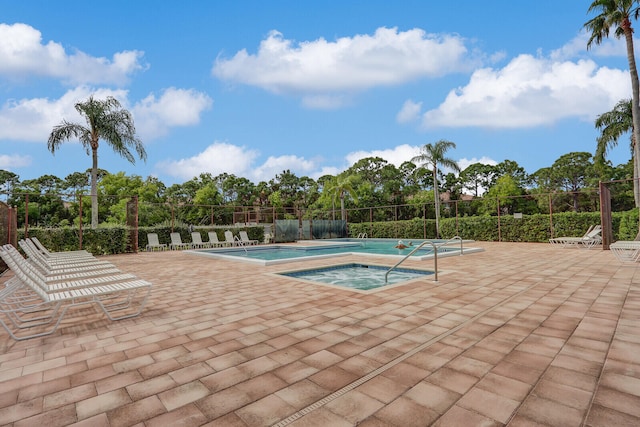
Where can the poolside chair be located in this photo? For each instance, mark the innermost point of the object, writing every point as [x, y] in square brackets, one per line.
[244, 237]
[626, 250]
[591, 238]
[176, 242]
[52, 283]
[57, 266]
[66, 272]
[213, 239]
[154, 243]
[230, 240]
[31, 304]
[46, 252]
[196, 241]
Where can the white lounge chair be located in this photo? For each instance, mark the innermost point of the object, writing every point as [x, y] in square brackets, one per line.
[61, 266]
[230, 239]
[215, 242]
[32, 304]
[591, 238]
[244, 237]
[47, 253]
[626, 250]
[176, 242]
[154, 243]
[79, 271]
[56, 283]
[196, 241]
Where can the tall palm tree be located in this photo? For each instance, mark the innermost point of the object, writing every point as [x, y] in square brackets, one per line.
[617, 14]
[433, 155]
[339, 188]
[106, 120]
[612, 125]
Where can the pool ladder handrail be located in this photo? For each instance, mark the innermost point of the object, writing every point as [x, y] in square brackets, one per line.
[239, 242]
[362, 236]
[435, 255]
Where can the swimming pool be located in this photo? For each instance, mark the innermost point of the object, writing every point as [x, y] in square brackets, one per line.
[362, 277]
[314, 249]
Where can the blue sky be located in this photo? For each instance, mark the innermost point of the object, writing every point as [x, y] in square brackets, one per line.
[253, 88]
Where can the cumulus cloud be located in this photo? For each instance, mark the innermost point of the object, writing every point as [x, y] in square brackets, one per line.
[175, 107]
[23, 54]
[577, 47]
[276, 164]
[531, 91]
[219, 157]
[14, 161]
[321, 70]
[409, 112]
[222, 157]
[465, 163]
[33, 119]
[396, 155]
[242, 161]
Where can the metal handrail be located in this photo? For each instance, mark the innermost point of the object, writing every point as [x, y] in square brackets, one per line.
[435, 255]
[241, 243]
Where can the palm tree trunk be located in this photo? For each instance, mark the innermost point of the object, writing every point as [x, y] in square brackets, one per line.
[94, 189]
[342, 210]
[635, 107]
[437, 200]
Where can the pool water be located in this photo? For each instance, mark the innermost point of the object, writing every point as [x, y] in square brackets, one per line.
[358, 276]
[273, 254]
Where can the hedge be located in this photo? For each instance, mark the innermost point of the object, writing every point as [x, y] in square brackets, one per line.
[116, 239]
[529, 228]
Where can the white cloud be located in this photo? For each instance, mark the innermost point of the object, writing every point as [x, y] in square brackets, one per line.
[465, 163]
[276, 164]
[409, 112]
[396, 155]
[529, 92]
[33, 119]
[220, 157]
[11, 162]
[175, 107]
[23, 54]
[349, 64]
[577, 47]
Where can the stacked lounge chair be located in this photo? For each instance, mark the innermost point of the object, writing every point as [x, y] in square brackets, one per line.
[626, 250]
[34, 301]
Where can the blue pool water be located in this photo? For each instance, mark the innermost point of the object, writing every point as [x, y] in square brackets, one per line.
[274, 254]
[358, 276]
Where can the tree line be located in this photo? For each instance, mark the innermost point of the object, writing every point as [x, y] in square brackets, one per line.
[370, 182]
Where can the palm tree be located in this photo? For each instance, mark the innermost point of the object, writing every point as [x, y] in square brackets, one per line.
[617, 14]
[434, 155]
[106, 120]
[339, 188]
[612, 125]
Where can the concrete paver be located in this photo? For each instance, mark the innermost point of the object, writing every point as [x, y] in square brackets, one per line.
[516, 335]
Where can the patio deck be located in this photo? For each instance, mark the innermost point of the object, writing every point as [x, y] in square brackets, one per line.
[521, 334]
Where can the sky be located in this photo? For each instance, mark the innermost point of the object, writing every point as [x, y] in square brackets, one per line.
[254, 88]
